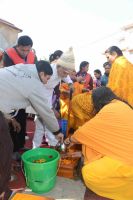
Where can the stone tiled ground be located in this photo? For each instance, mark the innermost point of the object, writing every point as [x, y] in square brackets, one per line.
[66, 189]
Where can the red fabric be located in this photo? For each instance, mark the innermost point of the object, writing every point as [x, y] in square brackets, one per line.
[87, 80]
[12, 53]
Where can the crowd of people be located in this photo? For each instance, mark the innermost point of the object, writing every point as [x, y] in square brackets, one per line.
[98, 109]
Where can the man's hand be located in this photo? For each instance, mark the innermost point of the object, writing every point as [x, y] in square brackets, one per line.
[15, 125]
[68, 142]
[60, 137]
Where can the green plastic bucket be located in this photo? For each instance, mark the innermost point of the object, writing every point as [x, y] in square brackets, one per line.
[41, 177]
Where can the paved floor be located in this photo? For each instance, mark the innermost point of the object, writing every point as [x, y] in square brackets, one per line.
[67, 189]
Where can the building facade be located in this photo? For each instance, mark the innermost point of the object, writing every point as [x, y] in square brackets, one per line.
[8, 34]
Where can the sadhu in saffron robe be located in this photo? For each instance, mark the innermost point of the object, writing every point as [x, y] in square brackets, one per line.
[107, 141]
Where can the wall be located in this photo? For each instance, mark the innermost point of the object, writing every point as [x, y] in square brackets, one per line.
[8, 36]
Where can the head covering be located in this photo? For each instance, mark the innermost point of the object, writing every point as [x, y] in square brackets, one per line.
[67, 59]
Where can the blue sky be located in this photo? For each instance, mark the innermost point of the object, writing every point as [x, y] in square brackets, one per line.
[58, 24]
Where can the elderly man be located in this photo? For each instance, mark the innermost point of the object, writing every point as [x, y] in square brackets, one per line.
[61, 69]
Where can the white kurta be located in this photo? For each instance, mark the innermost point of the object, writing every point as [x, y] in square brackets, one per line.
[48, 91]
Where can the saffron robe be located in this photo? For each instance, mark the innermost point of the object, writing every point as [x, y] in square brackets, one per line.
[107, 142]
[121, 79]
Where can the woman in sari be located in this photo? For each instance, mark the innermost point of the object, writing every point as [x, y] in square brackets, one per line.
[121, 74]
[107, 146]
[86, 80]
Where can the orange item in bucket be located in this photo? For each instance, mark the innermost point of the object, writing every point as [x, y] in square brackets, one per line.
[20, 196]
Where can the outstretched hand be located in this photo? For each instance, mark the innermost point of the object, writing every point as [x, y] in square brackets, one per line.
[60, 137]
